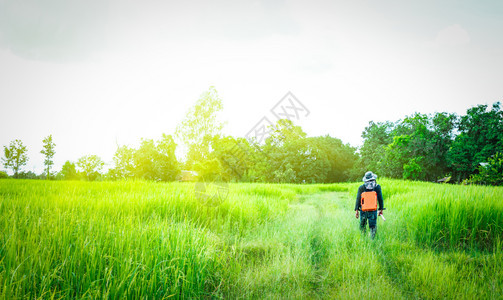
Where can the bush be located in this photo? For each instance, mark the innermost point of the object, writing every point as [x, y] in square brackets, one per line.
[27, 175]
[490, 173]
[3, 175]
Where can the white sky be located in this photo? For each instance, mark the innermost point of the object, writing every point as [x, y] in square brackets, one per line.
[95, 74]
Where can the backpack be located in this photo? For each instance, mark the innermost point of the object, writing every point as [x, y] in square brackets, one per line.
[369, 201]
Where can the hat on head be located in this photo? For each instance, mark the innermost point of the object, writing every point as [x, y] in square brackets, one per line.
[369, 176]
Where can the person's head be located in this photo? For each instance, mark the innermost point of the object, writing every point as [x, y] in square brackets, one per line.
[370, 180]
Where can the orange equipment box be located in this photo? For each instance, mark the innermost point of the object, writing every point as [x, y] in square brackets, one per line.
[369, 201]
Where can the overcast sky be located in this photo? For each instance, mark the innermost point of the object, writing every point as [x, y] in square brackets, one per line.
[96, 74]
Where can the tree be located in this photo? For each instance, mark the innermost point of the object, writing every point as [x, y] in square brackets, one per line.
[425, 147]
[167, 166]
[209, 170]
[285, 175]
[414, 148]
[341, 157]
[309, 161]
[200, 126]
[68, 171]
[288, 155]
[283, 156]
[443, 129]
[397, 155]
[413, 169]
[151, 161]
[235, 156]
[29, 175]
[490, 172]
[124, 163]
[90, 166]
[284, 131]
[49, 152]
[15, 156]
[479, 138]
[144, 160]
[377, 137]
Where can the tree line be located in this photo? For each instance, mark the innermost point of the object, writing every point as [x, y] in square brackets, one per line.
[424, 147]
[419, 147]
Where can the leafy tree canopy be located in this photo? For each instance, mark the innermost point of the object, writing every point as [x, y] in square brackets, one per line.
[48, 151]
[90, 166]
[15, 156]
[200, 126]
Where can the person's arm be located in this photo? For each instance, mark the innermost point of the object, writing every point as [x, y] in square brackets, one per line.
[358, 198]
[379, 197]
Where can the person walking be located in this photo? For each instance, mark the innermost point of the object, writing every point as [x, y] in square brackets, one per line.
[369, 194]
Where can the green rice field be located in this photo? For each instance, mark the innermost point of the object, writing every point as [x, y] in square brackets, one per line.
[139, 239]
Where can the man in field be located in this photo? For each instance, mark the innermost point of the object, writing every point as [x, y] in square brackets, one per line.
[369, 194]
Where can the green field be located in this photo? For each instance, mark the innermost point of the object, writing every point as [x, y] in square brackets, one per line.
[142, 239]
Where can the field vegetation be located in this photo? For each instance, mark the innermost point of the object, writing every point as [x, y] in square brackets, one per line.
[76, 239]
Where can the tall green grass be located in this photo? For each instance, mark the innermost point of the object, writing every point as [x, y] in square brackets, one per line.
[124, 238]
[448, 216]
[138, 239]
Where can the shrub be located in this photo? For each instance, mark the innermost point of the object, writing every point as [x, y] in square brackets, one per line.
[490, 173]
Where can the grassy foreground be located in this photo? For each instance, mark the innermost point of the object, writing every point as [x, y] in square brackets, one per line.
[157, 240]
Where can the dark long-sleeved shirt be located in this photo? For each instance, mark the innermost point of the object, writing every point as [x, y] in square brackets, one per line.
[362, 189]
